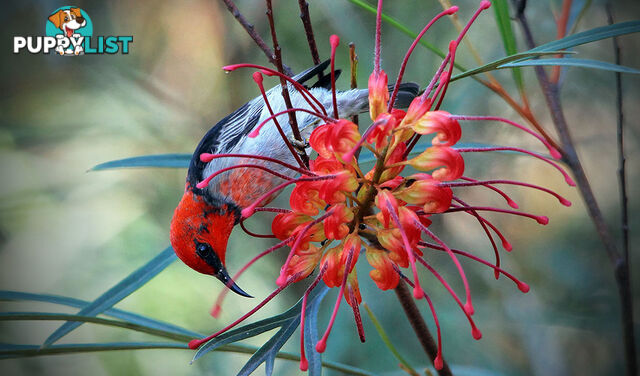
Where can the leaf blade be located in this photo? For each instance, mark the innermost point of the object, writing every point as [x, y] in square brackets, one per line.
[147, 161]
[501, 11]
[582, 63]
[118, 292]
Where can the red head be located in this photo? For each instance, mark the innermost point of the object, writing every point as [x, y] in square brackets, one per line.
[199, 235]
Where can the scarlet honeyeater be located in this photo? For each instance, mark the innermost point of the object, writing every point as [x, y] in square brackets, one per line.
[207, 213]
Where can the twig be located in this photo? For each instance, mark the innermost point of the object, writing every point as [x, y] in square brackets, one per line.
[618, 261]
[626, 295]
[253, 34]
[293, 123]
[353, 65]
[306, 22]
[419, 326]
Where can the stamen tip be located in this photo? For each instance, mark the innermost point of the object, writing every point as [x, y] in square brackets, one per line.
[507, 246]
[476, 333]
[555, 153]
[206, 157]
[304, 364]
[334, 40]
[452, 10]
[321, 346]
[438, 363]
[543, 220]
[418, 292]
[215, 311]
[523, 287]
[281, 280]
[468, 307]
[513, 204]
[257, 77]
[570, 181]
[485, 4]
[565, 202]
[453, 45]
[496, 274]
[202, 184]
[254, 134]
[195, 343]
[247, 212]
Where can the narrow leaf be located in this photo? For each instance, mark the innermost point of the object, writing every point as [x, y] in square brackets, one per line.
[131, 317]
[589, 36]
[501, 9]
[147, 161]
[497, 63]
[118, 292]
[267, 352]
[583, 63]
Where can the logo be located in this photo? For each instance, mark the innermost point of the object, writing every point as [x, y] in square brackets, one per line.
[69, 32]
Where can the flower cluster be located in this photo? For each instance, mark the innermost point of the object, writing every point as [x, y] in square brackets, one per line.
[340, 211]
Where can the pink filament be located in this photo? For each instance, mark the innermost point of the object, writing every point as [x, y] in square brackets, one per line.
[194, 344]
[524, 151]
[322, 343]
[449, 11]
[334, 40]
[376, 52]
[486, 183]
[510, 202]
[255, 235]
[203, 184]
[418, 292]
[256, 131]
[553, 151]
[541, 219]
[468, 306]
[521, 285]
[215, 311]
[270, 72]
[208, 157]
[452, 51]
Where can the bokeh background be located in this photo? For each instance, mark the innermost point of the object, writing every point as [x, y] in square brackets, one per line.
[67, 231]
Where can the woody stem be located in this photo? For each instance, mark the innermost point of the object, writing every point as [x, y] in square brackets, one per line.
[419, 326]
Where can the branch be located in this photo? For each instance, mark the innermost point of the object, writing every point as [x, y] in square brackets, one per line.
[253, 34]
[284, 85]
[306, 22]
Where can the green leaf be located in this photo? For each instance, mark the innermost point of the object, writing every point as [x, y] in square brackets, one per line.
[131, 317]
[387, 341]
[501, 9]
[259, 327]
[589, 36]
[583, 63]
[266, 353]
[118, 292]
[19, 351]
[148, 161]
[502, 61]
[45, 316]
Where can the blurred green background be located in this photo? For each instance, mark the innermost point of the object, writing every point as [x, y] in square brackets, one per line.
[67, 231]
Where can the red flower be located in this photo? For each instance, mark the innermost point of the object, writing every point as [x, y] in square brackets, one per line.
[446, 162]
[447, 130]
[378, 93]
[384, 273]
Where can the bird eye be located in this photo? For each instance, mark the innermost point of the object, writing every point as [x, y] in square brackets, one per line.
[66, 18]
[203, 249]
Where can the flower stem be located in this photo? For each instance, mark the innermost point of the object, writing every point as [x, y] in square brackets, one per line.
[419, 326]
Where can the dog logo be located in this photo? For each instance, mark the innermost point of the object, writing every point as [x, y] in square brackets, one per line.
[69, 32]
[69, 25]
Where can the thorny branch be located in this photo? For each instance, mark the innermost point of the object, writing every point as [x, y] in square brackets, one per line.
[619, 261]
[253, 34]
[284, 85]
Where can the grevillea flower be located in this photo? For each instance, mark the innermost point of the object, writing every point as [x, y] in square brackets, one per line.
[337, 212]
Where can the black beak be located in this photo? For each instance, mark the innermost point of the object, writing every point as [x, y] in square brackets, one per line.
[224, 277]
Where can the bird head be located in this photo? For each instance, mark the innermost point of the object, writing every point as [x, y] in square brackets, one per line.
[199, 235]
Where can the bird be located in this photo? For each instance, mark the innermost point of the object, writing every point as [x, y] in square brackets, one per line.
[205, 217]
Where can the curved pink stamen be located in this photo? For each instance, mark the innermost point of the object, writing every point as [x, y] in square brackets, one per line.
[507, 198]
[486, 183]
[403, 66]
[256, 131]
[553, 151]
[255, 235]
[203, 184]
[306, 94]
[418, 292]
[468, 306]
[321, 346]
[453, 45]
[208, 157]
[194, 344]
[217, 307]
[567, 178]
[376, 51]
[541, 219]
[521, 285]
